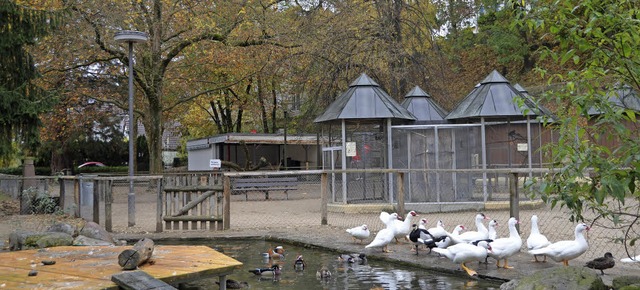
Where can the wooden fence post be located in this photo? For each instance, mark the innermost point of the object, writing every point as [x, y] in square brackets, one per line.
[226, 191]
[159, 207]
[401, 193]
[108, 200]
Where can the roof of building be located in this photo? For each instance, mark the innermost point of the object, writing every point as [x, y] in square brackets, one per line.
[364, 99]
[423, 107]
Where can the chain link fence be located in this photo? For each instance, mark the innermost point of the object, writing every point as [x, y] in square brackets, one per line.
[302, 205]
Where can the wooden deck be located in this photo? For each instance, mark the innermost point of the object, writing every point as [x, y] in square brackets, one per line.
[80, 267]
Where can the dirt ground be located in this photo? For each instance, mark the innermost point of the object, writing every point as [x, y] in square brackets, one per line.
[298, 220]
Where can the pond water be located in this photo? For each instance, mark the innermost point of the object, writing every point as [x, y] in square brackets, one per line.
[373, 274]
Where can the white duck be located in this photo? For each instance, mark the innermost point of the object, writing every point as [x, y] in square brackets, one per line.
[563, 251]
[447, 242]
[438, 231]
[480, 217]
[503, 248]
[464, 253]
[403, 228]
[493, 234]
[471, 236]
[359, 233]
[536, 240]
[386, 235]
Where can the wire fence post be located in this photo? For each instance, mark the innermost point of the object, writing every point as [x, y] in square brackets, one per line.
[324, 198]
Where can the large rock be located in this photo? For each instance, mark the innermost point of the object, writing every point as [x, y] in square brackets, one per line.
[72, 230]
[54, 239]
[86, 241]
[95, 231]
[559, 278]
[626, 282]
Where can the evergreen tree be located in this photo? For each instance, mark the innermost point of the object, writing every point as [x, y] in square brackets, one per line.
[20, 99]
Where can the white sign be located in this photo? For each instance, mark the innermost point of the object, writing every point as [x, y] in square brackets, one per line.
[215, 163]
[523, 147]
[351, 149]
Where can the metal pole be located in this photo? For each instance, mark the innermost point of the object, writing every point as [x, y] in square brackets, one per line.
[131, 199]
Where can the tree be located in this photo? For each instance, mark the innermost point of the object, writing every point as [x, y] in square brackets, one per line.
[21, 99]
[177, 35]
[597, 43]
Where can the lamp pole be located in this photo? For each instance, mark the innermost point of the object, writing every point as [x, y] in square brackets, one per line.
[131, 37]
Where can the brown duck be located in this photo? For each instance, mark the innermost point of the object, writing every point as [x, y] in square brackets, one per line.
[602, 263]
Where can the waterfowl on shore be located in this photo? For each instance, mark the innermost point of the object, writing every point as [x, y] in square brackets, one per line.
[438, 231]
[385, 236]
[447, 241]
[359, 233]
[536, 240]
[602, 263]
[503, 248]
[422, 237]
[563, 251]
[493, 233]
[403, 227]
[464, 253]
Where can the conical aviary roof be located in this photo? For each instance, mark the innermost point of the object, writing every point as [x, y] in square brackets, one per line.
[624, 97]
[364, 100]
[423, 107]
[493, 98]
[529, 97]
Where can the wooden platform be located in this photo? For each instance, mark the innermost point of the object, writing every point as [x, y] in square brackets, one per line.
[80, 267]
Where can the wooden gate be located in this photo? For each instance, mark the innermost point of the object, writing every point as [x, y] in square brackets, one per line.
[191, 208]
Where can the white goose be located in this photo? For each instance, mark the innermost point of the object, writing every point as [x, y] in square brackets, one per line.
[563, 251]
[480, 217]
[463, 253]
[447, 242]
[503, 248]
[403, 228]
[536, 240]
[359, 233]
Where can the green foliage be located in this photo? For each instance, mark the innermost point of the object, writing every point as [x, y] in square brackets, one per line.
[41, 202]
[20, 99]
[597, 45]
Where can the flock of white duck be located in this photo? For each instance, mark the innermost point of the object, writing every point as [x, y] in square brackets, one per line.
[463, 246]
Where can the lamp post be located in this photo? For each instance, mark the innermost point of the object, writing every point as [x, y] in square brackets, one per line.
[131, 37]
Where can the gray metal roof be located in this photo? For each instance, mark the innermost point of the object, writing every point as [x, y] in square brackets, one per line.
[493, 98]
[624, 97]
[364, 100]
[423, 107]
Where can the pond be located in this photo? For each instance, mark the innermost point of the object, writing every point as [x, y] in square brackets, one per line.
[373, 274]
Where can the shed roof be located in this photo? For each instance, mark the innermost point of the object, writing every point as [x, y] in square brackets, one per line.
[364, 100]
[625, 97]
[493, 98]
[423, 107]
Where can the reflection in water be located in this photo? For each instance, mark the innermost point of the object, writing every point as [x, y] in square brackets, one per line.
[344, 275]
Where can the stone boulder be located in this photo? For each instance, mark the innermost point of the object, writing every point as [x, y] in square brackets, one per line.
[86, 241]
[95, 231]
[24, 240]
[559, 278]
[72, 230]
[626, 282]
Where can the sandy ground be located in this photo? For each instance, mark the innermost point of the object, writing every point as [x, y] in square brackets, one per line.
[298, 220]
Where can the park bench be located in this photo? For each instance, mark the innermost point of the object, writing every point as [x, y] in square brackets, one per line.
[264, 184]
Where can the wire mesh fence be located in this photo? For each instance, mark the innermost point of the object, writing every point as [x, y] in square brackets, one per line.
[302, 205]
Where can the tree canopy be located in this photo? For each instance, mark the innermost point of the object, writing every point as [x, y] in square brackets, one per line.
[21, 99]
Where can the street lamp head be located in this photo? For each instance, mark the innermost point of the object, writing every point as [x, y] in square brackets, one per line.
[131, 36]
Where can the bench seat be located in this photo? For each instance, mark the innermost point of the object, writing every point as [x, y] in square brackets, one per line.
[264, 184]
